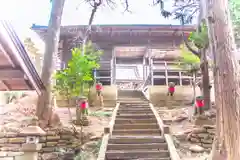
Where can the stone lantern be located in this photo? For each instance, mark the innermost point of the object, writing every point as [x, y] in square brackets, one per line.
[31, 147]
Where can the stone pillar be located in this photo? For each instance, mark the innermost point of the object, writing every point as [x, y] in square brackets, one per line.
[32, 145]
[180, 78]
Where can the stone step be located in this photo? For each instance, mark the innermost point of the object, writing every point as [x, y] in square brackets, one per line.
[132, 121]
[132, 102]
[134, 108]
[135, 116]
[136, 139]
[134, 111]
[136, 154]
[154, 132]
[150, 146]
[137, 126]
[166, 158]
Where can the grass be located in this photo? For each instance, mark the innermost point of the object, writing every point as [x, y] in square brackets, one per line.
[87, 155]
[100, 114]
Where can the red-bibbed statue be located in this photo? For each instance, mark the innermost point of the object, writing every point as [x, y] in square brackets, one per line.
[99, 88]
[83, 105]
[171, 88]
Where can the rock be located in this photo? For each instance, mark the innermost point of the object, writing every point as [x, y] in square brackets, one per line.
[17, 140]
[51, 144]
[187, 131]
[53, 138]
[207, 141]
[206, 145]
[211, 131]
[180, 118]
[195, 140]
[199, 130]
[94, 138]
[90, 145]
[209, 126]
[195, 135]
[49, 156]
[196, 149]
[203, 135]
[181, 136]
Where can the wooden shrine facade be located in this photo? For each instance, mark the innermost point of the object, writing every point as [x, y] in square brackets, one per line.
[16, 69]
[125, 44]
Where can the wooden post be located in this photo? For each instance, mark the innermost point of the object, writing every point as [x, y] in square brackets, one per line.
[180, 78]
[151, 71]
[144, 70]
[114, 66]
[166, 73]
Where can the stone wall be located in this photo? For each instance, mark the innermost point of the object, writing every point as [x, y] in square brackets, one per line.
[11, 155]
[52, 143]
[203, 136]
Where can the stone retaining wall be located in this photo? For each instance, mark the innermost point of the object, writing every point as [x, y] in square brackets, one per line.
[158, 95]
[10, 143]
[203, 136]
[11, 155]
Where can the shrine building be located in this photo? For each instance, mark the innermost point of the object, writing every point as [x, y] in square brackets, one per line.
[132, 53]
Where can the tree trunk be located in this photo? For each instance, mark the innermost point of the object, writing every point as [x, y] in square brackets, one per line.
[51, 49]
[227, 75]
[194, 86]
[205, 81]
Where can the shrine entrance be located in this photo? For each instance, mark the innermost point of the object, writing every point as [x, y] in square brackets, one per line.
[129, 67]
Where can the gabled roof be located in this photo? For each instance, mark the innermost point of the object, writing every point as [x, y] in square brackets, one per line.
[16, 69]
[72, 29]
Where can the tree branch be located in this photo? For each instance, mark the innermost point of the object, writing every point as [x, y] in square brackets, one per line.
[195, 52]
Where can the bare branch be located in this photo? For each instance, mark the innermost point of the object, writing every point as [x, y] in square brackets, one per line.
[126, 6]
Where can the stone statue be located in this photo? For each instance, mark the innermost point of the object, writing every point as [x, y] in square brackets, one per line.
[99, 89]
[171, 88]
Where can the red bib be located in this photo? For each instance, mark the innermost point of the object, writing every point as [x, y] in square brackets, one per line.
[171, 89]
[83, 105]
[98, 87]
[199, 103]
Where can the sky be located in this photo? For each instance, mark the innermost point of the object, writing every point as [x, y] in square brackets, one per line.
[24, 13]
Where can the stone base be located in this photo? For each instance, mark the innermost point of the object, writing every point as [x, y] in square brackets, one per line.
[109, 95]
[84, 122]
[183, 95]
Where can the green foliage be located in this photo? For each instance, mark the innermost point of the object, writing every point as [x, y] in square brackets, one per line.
[190, 61]
[235, 14]
[100, 114]
[90, 154]
[93, 54]
[200, 39]
[11, 96]
[69, 81]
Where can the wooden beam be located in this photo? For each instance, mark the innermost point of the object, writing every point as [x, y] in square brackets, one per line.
[8, 74]
[7, 86]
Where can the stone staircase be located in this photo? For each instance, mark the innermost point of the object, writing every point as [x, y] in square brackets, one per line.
[136, 133]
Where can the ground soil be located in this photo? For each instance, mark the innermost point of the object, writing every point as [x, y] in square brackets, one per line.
[179, 128]
[24, 110]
